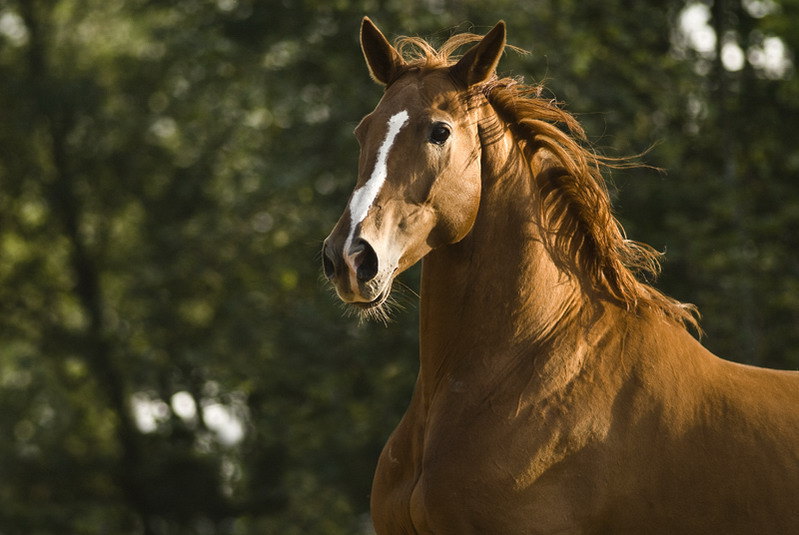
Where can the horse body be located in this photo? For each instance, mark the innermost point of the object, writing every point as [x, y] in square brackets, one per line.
[543, 404]
[542, 417]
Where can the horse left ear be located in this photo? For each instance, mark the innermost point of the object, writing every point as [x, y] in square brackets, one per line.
[480, 62]
[382, 59]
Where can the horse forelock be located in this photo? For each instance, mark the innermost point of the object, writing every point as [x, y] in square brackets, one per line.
[419, 53]
[580, 230]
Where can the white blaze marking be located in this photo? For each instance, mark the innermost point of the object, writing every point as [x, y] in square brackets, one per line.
[364, 196]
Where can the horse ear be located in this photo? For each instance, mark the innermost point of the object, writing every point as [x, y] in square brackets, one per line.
[381, 58]
[480, 62]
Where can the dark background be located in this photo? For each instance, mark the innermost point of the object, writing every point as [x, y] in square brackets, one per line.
[170, 361]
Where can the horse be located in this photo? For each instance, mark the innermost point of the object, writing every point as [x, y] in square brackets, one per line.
[558, 391]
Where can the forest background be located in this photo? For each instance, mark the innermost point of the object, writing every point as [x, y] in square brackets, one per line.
[170, 362]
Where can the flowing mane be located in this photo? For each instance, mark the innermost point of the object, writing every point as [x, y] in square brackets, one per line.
[584, 237]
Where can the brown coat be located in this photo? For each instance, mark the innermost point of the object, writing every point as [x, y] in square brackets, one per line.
[556, 393]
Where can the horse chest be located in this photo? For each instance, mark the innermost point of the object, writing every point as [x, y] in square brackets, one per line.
[475, 473]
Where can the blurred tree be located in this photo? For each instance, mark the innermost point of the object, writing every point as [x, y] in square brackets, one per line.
[170, 362]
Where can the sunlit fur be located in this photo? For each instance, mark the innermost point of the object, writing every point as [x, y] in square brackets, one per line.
[556, 392]
[584, 237]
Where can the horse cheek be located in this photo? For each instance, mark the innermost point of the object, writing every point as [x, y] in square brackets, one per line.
[458, 212]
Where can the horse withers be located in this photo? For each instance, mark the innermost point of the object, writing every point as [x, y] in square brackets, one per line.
[556, 392]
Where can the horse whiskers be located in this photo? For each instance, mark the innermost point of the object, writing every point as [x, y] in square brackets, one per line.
[404, 290]
[400, 297]
[380, 313]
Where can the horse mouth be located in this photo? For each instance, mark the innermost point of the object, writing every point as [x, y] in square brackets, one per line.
[376, 302]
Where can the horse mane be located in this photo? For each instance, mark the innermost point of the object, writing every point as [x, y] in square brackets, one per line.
[581, 232]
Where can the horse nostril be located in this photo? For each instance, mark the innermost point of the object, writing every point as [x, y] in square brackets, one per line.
[365, 261]
[327, 263]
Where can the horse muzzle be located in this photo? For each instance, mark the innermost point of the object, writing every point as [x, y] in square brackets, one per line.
[357, 273]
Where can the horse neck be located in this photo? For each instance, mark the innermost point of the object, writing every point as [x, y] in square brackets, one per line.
[497, 293]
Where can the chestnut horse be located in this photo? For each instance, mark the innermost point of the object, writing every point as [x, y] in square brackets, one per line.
[556, 392]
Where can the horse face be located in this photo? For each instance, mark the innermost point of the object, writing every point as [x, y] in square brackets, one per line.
[418, 182]
[418, 187]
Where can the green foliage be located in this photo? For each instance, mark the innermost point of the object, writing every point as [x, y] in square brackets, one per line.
[170, 361]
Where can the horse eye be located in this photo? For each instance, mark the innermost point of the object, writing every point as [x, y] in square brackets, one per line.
[439, 134]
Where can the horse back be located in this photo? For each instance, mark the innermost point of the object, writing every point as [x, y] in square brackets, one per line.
[701, 444]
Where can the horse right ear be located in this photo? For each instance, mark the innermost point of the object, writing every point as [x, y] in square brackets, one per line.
[382, 59]
[480, 62]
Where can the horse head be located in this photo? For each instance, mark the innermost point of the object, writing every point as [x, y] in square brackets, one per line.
[419, 172]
